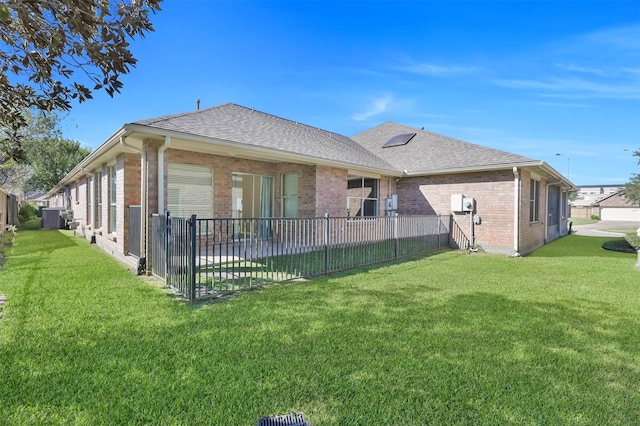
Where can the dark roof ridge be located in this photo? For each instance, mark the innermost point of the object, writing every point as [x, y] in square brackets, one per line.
[297, 123]
[177, 115]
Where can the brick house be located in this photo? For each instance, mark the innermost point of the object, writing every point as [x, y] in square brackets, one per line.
[617, 207]
[232, 161]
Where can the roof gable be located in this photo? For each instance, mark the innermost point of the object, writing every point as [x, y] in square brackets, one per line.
[617, 199]
[235, 123]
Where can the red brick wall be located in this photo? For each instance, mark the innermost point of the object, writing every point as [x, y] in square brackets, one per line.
[306, 188]
[331, 192]
[131, 194]
[494, 195]
[532, 234]
[321, 189]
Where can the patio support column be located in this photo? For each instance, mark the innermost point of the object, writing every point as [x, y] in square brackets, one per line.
[143, 194]
[161, 150]
[150, 199]
[516, 213]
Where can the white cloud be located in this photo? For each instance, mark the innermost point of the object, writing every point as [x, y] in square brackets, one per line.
[603, 64]
[581, 69]
[433, 70]
[377, 106]
[574, 88]
[623, 38]
[564, 105]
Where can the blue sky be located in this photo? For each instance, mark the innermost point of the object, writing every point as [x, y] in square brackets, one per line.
[532, 78]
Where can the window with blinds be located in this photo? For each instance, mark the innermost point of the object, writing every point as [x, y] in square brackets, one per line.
[190, 190]
[290, 195]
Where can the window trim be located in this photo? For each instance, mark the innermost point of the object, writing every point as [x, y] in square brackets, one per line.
[89, 197]
[285, 197]
[534, 201]
[178, 171]
[363, 197]
[98, 197]
[113, 200]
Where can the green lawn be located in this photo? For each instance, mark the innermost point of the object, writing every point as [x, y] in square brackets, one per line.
[582, 221]
[451, 338]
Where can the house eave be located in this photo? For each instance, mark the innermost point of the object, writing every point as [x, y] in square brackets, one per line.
[233, 149]
[539, 166]
[89, 161]
[472, 169]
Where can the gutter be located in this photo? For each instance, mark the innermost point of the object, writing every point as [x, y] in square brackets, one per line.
[482, 168]
[111, 142]
[263, 153]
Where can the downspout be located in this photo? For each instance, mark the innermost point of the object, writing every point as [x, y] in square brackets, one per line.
[516, 213]
[161, 150]
[143, 201]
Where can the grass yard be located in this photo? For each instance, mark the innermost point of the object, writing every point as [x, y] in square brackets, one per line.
[582, 221]
[451, 338]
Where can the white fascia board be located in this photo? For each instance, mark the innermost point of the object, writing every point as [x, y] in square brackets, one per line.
[549, 172]
[483, 168]
[559, 178]
[80, 168]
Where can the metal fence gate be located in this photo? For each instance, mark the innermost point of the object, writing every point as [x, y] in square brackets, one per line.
[203, 258]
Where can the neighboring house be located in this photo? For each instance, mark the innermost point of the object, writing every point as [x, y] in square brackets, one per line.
[232, 161]
[616, 207]
[38, 198]
[9, 207]
[586, 202]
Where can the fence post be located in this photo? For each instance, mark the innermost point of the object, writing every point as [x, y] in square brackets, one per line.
[395, 236]
[192, 258]
[439, 223]
[167, 248]
[326, 243]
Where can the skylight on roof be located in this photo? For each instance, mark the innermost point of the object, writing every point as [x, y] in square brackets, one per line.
[399, 140]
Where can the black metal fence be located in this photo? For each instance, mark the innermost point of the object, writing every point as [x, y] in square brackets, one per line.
[203, 258]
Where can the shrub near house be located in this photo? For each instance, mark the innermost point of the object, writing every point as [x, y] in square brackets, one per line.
[634, 241]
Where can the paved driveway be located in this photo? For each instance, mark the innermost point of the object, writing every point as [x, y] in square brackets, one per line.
[599, 229]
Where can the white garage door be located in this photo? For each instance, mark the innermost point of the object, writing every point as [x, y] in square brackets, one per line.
[619, 213]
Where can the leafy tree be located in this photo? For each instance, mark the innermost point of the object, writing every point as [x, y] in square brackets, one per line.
[632, 188]
[14, 177]
[44, 42]
[45, 156]
[52, 158]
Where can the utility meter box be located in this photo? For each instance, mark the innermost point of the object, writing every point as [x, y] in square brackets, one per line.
[456, 202]
[468, 204]
[392, 202]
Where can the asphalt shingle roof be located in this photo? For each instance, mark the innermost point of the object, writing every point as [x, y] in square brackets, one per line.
[235, 123]
[429, 152]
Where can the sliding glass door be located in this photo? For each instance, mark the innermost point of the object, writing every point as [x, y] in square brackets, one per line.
[251, 198]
